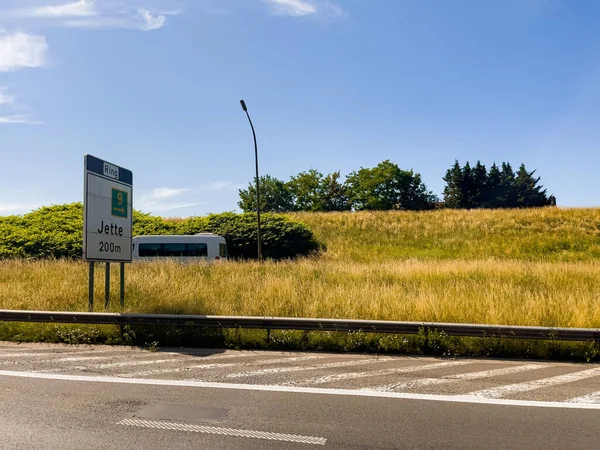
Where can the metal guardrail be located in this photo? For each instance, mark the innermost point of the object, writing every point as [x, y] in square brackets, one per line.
[287, 323]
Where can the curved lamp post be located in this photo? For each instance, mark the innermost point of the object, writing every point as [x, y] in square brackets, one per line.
[257, 183]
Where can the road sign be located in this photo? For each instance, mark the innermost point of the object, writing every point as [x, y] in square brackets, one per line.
[107, 211]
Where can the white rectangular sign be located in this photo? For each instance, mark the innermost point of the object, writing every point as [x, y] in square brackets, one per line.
[107, 211]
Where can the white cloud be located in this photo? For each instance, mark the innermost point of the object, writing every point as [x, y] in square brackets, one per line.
[19, 50]
[20, 118]
[157, 207]
[296, 8]
[4, 98]
[221, 185]
[8, 107]
[165, 192]
[144, 15]
[153, 22]
[82, 8]
[142, 20]
[300, 8]
[167, 199]
[161, 200]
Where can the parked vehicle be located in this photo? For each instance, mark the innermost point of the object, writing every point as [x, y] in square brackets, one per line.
[202, 246]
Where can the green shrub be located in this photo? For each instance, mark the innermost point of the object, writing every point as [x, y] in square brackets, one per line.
[57, 232]
[144, 223]
[51, 231]
[280, 236]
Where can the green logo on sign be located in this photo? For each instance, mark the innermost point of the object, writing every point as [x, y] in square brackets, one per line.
[119, 203]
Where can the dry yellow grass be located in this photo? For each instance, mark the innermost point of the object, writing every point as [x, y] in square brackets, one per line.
[480, 291]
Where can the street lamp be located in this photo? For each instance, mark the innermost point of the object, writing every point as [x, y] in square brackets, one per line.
[257, 183]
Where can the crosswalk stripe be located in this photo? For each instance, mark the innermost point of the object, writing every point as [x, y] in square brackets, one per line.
[69, 356]
[77, 359]
[105, 366]
[218, 366]
[145, 362]
[594, 397]
[276, 370]
[456, 378]
[372, 373]
[30, 355]
[502, 391]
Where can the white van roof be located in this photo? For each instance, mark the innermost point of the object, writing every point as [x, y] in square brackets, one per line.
[177, 236]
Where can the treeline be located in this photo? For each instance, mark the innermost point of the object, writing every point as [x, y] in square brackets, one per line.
[388, 187]
[382, 187]
[501, 187]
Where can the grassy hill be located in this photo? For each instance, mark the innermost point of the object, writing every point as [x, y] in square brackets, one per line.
[521, 267]
[546, 234]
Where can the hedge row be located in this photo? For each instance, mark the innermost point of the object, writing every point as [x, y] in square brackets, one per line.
[57, 232]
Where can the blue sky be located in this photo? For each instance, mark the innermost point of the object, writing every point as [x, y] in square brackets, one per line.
[154, 86]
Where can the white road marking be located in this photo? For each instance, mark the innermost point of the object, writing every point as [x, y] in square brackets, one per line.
[373, 373]
[356, 362]
[458, 377]
[217, 366]
[141, 363]
[75, 359]
[27, 355]
[594, 397]
[50, 352]
[300, 390]
[106, 365]
[223, 431]
[501, 391]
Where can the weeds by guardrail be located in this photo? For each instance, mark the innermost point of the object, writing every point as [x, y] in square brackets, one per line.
[286, 323]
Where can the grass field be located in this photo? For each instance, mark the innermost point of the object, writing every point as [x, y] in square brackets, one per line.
[518, 267]
[546, 234]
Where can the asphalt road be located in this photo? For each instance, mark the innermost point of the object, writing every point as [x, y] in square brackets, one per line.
[52, 398]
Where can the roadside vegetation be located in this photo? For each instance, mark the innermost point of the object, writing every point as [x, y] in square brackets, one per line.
[516, 267]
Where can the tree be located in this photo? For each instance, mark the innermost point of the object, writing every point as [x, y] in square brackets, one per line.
[508, 192]
[528, 192]
[467, 186]
[387, 187]
[475, 187]
[453, 192]
[492, 192]
[335, 197]
[479, 177]
[306, 191]
[274, 196]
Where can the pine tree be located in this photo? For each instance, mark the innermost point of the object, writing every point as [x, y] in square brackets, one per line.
[492, 191]
[479, 179]
[467, 186]
[453, 194]
[508, 192]
[528, 193]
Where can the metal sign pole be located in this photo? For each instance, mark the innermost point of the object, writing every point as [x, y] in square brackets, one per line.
[91, 288]
[122, 289]
[107, 286]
